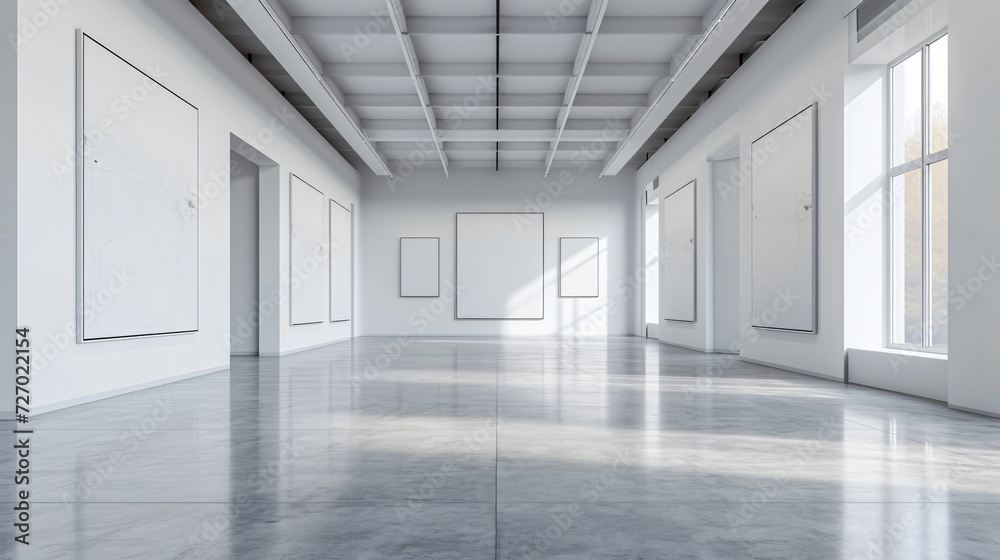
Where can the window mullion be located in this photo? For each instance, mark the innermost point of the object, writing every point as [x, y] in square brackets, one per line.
[927, 310]
[888, 305]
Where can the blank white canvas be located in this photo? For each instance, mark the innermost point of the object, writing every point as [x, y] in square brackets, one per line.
[341, 275]
[138, 197]
[579, 267]
[783, 278]
[307, 280]
[500, 266]
[419, 266]
[679, 257]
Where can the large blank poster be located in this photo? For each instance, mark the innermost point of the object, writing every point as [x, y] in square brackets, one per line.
[341, 271]
[679, 258]
[137, 201]
[500, 266]
[579, 267]
[307, 275]
[783, 254]
[419, 266]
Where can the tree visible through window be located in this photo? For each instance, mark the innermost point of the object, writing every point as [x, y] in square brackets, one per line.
[918, 244]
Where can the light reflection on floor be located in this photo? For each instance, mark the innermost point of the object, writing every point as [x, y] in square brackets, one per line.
[546, 448]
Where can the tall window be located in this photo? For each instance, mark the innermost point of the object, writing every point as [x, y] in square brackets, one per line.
[918, 178]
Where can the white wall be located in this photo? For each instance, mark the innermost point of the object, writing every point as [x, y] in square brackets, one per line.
[974, 230]
[425, 204]
[197, 63]
[244, 264]
[8, 198]
[865, 204]
[802, 63]
[725, 251]
[696, 335]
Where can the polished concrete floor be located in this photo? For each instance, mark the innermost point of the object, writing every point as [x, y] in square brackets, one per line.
[508, 448]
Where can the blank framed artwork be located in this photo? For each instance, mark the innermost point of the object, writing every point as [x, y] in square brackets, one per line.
[500, 265]
[783, 230]
[679, 255]
[137, 201]
[307, 273]
[341, 259]
[579, 267]
[419, 267]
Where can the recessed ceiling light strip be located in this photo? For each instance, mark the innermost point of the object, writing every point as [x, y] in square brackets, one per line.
[413, 66]
[594, 19]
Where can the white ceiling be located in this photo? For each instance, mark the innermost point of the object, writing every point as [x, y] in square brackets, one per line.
[359, 50]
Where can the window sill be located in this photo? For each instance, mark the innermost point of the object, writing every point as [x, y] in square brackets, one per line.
[922, 374]
[933, 354]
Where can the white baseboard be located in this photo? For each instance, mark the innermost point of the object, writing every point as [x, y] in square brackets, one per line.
[974, 411]
[686, 347]
[793, 370]
[653, 330]
[303, 349]
[122, 390]
[504, 336]
[702, 350]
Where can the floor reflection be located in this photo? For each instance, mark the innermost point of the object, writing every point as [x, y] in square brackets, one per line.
[452, 447]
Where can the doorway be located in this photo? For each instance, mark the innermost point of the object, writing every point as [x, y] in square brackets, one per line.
[244, 256]
[651, 264]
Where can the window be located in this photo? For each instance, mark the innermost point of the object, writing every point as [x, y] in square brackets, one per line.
[918, 179]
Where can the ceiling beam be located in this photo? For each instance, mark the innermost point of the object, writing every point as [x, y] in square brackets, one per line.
[502, 135]
[400, 26]
[391, 148]
[266, 64]
[510, 163]
[485, 70]
[270, 28]
[709, 48]
[378, 24]
[548, 126]
[594, 20]
[543, 100]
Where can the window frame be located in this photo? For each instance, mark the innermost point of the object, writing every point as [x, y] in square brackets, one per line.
[923, 163]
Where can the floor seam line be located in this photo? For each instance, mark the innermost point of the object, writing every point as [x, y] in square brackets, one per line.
[496, 462]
